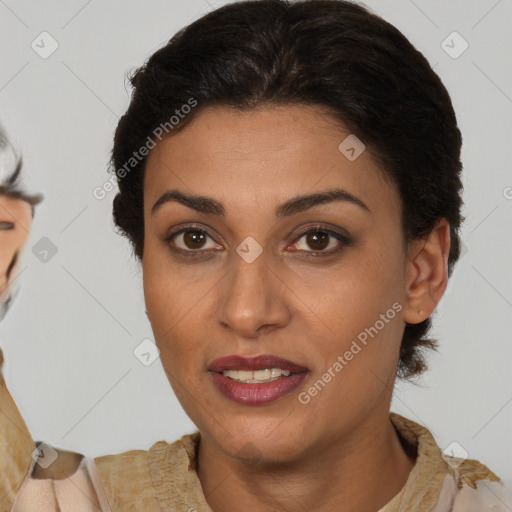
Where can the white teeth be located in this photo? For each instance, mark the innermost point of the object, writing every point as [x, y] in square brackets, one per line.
[267, 375]
[261, 375]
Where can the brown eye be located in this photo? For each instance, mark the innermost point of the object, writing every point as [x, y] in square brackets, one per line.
[191, 241]
[194, 239]
[318, 241]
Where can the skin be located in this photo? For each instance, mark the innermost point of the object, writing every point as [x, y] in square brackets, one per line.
[340, 449]
[15, 222]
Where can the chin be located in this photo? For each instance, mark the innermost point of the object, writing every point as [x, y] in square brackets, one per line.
[264, 444]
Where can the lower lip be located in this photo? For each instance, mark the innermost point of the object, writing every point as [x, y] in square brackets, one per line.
[257, 394]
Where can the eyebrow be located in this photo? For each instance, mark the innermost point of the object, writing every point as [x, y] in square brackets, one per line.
[210, 206]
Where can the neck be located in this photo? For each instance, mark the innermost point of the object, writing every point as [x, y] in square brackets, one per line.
[362, 471]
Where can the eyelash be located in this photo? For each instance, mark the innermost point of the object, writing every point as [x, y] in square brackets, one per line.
[345, 241]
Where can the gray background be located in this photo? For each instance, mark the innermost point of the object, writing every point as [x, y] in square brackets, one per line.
[70, 337]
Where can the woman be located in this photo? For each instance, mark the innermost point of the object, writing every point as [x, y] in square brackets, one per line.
[289, 178]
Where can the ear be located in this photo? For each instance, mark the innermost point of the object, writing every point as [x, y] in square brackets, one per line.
[427, 273]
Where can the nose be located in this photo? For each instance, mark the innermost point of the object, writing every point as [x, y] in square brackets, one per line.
[253, 298]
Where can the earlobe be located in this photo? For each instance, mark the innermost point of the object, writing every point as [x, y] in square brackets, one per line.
[427, 274]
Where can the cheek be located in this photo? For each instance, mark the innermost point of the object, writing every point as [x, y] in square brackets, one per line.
[356, 309]
[352, 294]
[359, 357]
[175, 312]
[175, 308]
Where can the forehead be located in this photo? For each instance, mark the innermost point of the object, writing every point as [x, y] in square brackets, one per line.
[263, 157]
[14, 209]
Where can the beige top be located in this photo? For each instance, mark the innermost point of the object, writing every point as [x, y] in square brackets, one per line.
[16, 447]
[164, 478]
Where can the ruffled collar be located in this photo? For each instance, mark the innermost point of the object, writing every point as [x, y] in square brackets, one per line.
[177, 486]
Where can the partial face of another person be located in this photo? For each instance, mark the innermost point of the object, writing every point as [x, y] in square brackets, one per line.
[301, 282]
[15, 222]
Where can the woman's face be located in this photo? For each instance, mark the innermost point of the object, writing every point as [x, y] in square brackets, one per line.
[255, 284]
[15, 221]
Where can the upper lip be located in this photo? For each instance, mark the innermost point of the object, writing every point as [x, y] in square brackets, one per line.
[261, 362]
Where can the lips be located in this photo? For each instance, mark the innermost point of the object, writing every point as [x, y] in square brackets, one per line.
[261, 362]
[257, 394]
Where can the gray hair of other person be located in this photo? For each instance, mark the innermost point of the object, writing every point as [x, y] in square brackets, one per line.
[11, 165]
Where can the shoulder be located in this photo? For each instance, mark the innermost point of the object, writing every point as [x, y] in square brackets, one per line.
[437, 479]
[473, 487]
[16, 446]
[484, 495]
[470, 471]
[464, 470]
[126, 480]
[133, 480]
